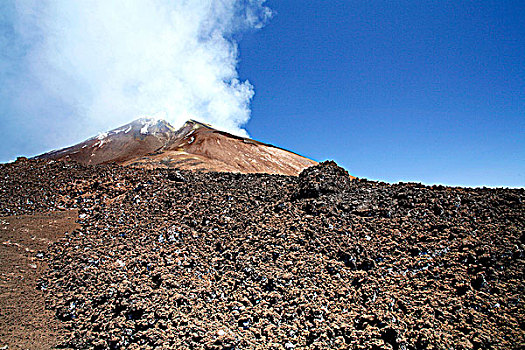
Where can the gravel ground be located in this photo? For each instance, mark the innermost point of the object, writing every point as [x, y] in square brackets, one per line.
[24, 321]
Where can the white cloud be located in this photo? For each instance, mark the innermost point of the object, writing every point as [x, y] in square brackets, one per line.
[105, 62]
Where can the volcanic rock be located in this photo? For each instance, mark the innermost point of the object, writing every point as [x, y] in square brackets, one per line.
[194, 260]
[325, 178]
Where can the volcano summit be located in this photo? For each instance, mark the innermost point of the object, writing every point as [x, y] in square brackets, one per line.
[154, 143]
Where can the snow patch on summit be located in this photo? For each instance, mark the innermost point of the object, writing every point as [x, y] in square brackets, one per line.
[147, 123]
[102, 135]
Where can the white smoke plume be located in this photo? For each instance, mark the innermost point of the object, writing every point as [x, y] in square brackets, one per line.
[102, 63]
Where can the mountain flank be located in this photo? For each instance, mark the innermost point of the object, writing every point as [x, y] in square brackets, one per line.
[152, 143]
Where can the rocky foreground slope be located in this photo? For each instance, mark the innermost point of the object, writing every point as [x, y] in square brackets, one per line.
[186, 260]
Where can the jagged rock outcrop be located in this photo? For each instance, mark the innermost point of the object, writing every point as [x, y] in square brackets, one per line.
[325, 178]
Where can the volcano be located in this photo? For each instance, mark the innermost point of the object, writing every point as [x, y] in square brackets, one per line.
[154, 143]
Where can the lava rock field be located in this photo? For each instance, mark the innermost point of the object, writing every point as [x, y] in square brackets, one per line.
[168, 259]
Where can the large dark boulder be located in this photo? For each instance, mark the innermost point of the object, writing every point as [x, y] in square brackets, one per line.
[322, 179]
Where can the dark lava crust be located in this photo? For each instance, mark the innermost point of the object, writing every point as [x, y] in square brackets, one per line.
[185, 260]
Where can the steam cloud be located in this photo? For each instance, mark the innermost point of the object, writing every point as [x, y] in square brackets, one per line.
[101, 63]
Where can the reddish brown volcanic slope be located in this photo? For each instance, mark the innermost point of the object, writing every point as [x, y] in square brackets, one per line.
[150, 143]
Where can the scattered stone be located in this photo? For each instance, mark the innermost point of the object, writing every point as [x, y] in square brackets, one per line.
[316, 261]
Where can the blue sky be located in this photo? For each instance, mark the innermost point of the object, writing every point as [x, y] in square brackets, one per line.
[425, 91]
[430, 91]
